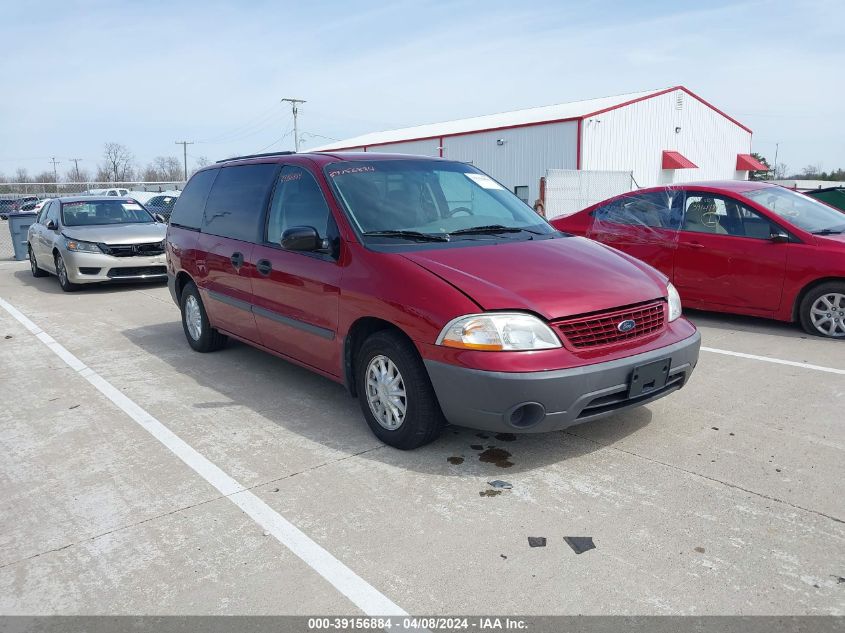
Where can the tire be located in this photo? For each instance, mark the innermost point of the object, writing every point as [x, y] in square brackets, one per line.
[423, 420]
[201, 336]
[822, 310]
[61, 273]
[33, 265]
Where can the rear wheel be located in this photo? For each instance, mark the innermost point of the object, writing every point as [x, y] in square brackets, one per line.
[61, 272]
[33, 265]
[822, 311]
[201, 336]
[395, 393]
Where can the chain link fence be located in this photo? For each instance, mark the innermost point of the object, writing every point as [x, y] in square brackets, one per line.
[17, 195]
[570, 190]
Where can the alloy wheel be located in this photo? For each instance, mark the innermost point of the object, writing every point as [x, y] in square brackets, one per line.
[828, 314]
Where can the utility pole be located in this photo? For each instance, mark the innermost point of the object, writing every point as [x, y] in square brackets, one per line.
[75, 161]
[55, 171]
[295, 109]
[184, 145]
[776, 160]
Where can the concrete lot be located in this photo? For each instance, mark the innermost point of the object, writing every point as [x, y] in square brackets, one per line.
[726, 497]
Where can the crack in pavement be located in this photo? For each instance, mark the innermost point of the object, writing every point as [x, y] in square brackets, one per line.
[191, 506]
[709, 478]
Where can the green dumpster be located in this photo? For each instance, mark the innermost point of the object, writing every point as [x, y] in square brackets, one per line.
[834, 196]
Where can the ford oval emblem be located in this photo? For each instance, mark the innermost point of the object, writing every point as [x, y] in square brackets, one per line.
[627, 325]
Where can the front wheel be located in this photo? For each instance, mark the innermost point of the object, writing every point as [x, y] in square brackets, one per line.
[822, 311]
[33, 264]
[395, 393]
[201, 336]
[61, 272]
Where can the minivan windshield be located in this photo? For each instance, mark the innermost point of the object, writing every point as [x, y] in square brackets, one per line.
[800, 210]
[97, 212]
[429, 200]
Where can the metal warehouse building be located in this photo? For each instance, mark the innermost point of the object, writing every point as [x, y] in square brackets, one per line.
[615, 144]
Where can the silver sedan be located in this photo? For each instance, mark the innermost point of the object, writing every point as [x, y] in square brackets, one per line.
[85, 240]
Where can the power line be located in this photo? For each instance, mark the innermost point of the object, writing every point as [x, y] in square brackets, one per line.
[294, 106]
[278, 140]
[247, 129]
[184, 145]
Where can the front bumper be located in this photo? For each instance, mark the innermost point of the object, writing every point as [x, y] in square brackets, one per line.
[86, 268]
[536, 402]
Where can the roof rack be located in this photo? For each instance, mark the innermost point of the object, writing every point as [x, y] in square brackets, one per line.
[226, 160]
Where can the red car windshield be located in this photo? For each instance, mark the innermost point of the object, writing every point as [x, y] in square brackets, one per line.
[798, 209]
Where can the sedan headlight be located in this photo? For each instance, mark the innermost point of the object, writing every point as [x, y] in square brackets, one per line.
[82, 247]
[498, 331]
[674, 300]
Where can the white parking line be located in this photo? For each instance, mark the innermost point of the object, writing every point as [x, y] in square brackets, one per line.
[362, 594]
[776, 361]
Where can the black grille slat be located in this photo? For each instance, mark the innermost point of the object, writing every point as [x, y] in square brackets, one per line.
[133, 250]
[137, 271]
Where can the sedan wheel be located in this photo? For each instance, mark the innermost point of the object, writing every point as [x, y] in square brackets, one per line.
[61, 272]
[828, 314]
[33, 265]
[193, 317]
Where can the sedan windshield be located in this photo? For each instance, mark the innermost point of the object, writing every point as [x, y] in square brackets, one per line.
[798, 209]
[421, 200]
[96, 212]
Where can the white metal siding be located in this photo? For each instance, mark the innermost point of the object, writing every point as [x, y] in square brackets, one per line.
[421, 148]
[524, 156]
[633, 138]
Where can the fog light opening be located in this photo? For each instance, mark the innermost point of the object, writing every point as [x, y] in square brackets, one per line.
[525, 415]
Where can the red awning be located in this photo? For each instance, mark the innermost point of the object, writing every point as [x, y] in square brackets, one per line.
[676, 160]
[746, 162]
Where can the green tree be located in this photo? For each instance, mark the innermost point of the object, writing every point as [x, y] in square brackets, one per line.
[760, 175]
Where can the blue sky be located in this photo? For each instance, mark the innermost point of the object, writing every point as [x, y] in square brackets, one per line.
[146, 74]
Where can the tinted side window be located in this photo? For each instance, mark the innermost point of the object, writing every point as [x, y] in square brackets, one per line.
[236, 203]
[43, 213]
[52, 213]
[189, 209]
[297, 201]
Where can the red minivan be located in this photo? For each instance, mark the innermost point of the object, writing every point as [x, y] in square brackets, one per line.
[428, 289]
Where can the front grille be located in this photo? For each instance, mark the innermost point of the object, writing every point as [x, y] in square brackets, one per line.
[620, 399]
[133, 250]
[137, 271]
[603, 328]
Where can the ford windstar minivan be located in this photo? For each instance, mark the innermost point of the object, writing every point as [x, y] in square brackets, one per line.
[427, 288]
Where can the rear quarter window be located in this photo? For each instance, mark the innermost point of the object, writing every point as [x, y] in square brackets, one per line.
[190, 205]
[236, 204]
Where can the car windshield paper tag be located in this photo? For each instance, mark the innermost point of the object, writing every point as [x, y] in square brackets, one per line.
[484, 181]
[132, 206]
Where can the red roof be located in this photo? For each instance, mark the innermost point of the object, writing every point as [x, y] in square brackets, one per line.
[676, 160]
[746, 162]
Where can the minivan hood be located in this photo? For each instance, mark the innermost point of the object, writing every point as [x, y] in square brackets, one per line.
[553, 278]
[117, 233]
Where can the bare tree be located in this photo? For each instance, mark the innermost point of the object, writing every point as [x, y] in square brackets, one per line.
[103, 174]
[168, 167]
[74, 175]
[22, 175]
[118, 161]
[811, 170]
[781, 169]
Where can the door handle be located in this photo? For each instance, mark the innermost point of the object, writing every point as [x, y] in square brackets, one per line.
[695, 245]
[264, 267]
[237, 260]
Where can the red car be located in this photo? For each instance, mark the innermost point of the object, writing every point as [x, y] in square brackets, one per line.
[428, 289]
[735, 246]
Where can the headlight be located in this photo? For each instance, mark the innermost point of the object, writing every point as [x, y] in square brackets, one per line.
[674, 300]
[82, 247]
[498, 331]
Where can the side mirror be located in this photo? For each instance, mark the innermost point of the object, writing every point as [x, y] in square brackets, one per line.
[51, 225]
[779, 238]
[301, 238]
[159, 218]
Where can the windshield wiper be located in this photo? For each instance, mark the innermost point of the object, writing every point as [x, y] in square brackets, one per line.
[827, 232]
[493, 228]
[411, 235]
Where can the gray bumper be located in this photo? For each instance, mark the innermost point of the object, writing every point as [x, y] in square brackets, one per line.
[554, 399]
